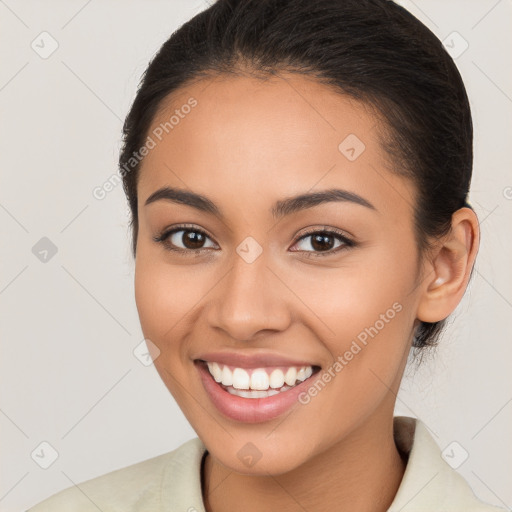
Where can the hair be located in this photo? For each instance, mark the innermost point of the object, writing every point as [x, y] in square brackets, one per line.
[373, 51]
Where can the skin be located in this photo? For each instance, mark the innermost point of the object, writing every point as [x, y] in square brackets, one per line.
[247, 144]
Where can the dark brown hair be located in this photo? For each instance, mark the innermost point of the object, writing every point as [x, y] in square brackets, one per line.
[372, 50]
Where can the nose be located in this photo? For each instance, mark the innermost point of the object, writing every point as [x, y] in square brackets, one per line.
[250, 299]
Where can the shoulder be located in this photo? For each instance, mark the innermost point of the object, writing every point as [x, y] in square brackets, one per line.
[430, 482]
[133, 488]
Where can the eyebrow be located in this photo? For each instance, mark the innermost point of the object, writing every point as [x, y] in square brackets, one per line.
[280, 208]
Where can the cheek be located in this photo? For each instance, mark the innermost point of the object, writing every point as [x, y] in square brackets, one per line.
[364, 312]
[355, 295]
[164, 295]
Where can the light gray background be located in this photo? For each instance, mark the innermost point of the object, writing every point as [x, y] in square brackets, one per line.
[69, 325]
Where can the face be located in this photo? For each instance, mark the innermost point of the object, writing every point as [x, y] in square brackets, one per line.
[246, 277]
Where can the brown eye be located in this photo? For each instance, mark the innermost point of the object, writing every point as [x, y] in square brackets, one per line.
[191, 239]
[185, 239]
[323, 243]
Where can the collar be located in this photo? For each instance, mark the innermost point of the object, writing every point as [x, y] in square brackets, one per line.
[429, 482]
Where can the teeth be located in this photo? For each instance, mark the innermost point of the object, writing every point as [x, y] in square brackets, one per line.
[227, 376]
[301, 374]
[276, 379]
[215, 371]
[255, 394]
[258, 379]
[241, 379]
[291, 376]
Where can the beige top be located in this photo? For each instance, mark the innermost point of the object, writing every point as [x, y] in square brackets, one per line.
[172, 482]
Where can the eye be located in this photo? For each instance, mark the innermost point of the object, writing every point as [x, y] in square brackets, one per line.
[322, 242]
[186, 239]
[190, 240]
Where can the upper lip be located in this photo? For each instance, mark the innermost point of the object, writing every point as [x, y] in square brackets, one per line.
[256, 360]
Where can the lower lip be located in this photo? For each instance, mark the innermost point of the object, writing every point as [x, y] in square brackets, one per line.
[249, 410]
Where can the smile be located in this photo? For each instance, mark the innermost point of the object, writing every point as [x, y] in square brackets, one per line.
[257, 394]
[258, 382]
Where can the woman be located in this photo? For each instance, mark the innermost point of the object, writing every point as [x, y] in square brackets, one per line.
[298, 175]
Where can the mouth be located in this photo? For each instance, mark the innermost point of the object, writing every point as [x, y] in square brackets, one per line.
[254, 394]
[258, 382]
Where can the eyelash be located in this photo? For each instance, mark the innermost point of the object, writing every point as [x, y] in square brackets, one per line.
[347, 243]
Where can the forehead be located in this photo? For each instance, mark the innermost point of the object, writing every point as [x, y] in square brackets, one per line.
[268, 138]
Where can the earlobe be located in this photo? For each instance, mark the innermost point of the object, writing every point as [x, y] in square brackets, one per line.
[449, 271]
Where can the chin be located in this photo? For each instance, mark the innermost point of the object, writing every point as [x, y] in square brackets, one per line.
[259, 455]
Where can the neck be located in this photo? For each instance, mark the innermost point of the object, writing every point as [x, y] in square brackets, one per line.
[362, 472]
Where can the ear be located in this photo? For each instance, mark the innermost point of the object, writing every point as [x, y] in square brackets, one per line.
[448, 271]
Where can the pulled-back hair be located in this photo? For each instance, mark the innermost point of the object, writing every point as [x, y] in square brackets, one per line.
[372, 50]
